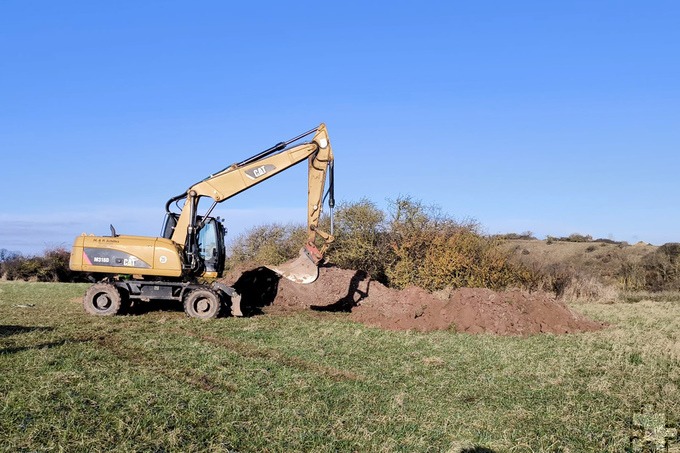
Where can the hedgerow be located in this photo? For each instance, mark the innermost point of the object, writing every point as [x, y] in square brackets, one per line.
[411, 244]
[52, 266]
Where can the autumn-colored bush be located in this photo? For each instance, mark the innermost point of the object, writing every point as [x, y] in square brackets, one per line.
[433, 251]
[361, 239]
[411, 244]
[271, 243]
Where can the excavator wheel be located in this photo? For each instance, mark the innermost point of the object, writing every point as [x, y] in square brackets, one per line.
[126, 303]
[103, 299]
[202, 303]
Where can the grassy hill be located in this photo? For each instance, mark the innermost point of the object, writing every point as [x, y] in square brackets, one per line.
[602, 260]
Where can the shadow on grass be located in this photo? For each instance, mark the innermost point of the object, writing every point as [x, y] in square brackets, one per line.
[477, 449]
[258, 288]
[6, 331]
[50, 345]
[143, 307]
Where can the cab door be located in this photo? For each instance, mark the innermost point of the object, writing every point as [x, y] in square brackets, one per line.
[211, 247]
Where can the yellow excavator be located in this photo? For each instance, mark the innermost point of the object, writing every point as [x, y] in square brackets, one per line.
[180, 265]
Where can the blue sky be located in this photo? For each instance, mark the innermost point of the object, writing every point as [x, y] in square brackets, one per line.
[553, 117]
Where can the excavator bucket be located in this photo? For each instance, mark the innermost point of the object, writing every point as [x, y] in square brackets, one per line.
[302, 269]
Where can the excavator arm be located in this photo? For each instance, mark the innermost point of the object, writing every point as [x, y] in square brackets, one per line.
[240, 176]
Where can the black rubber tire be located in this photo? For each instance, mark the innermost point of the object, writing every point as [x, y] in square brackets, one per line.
[102, 299]
[125, 301]
[202, 303]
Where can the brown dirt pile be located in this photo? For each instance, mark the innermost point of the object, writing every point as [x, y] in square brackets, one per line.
[471, 310]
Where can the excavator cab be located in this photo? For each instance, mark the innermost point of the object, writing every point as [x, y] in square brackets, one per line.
[211, 246]
[210, 242]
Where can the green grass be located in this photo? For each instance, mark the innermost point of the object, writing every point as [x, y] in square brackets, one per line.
[304, 382]
[661, 296]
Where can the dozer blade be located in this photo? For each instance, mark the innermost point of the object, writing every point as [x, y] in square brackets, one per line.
[302, 269]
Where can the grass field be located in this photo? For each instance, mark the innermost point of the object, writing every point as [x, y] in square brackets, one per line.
[159, 381]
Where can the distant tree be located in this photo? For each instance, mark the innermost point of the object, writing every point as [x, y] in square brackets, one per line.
[7, 255]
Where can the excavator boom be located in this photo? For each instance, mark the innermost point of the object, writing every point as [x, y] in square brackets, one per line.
[240, 176]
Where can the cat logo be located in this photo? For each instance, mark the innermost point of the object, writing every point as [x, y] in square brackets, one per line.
[260, 171]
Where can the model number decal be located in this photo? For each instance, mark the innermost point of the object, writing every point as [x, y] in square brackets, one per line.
[114, 258]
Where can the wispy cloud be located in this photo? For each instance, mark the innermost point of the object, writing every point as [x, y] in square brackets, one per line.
[33, 233]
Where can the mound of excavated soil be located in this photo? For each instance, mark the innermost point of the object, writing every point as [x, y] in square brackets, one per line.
[472, 310]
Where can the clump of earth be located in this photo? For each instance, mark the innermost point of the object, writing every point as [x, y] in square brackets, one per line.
[471, 310]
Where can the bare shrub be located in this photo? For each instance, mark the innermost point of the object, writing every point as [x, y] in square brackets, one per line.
[607, 241]
[526, 235]
[568, 283]
[52, 266]
[632, 277]
[657, 271]
[360, 238]
[576, 237]
[589, 288]
[271, 243]
[662, 268]
[56, 266]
